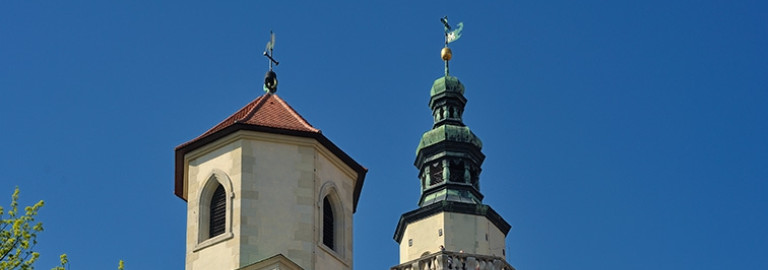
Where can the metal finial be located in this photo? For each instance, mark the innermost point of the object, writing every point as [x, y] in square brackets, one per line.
[447, 26]
[270, 79]
[451, 35]
[268, 51]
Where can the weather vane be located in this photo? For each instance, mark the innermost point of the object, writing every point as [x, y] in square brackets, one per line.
[270, 79]
[451, 35]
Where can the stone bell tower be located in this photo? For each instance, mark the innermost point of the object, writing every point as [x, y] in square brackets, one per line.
[267, 190]
[452, 228]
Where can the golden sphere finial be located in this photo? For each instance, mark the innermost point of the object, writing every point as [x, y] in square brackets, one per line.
[446, 54]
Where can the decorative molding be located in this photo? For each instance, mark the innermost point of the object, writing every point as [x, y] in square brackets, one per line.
[215, 177]
[447, 260]
[186, 152]
[239, 131]
[329, 189]
[451, 207]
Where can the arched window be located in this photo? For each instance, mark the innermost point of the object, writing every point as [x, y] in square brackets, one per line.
[328, 224]
[474, 177]
[436, 173]
[214, 210]
[456, 169]
[331, 236]
[218, 212]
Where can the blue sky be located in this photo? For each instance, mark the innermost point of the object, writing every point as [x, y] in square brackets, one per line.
[618, 134]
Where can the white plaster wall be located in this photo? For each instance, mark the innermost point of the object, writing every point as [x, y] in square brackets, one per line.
[498, 243]
[224, 158]
[276, 181]
[278, 201]
[282, 177]
[425, 236]
[464, 232]
[461, 232]
[330, 169]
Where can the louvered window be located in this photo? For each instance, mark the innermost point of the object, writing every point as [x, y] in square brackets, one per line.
[328, 224]
[218, 212]
[436, 173]
[457, 171]
[474, 175]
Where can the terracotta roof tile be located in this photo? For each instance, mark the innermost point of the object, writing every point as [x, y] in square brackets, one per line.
[267, 113]
[268, 110]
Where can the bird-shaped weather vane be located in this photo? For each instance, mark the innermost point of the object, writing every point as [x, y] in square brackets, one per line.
[451, 35]
[270, 79]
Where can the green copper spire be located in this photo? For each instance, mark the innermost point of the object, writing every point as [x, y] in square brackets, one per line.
[449, 159]
[449, 156]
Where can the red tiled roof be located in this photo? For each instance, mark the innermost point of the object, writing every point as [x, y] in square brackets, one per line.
[267, 113]
[268, 110]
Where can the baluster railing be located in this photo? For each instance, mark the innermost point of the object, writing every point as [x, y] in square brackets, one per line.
[447, 260]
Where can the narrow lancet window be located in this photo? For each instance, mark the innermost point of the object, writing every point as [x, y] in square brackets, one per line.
[218, 212]
[328, 224]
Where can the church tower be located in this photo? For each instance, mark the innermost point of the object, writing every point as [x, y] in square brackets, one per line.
[267, 190]
[452, 228]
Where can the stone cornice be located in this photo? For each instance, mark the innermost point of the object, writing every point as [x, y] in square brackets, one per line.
[451, 207]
